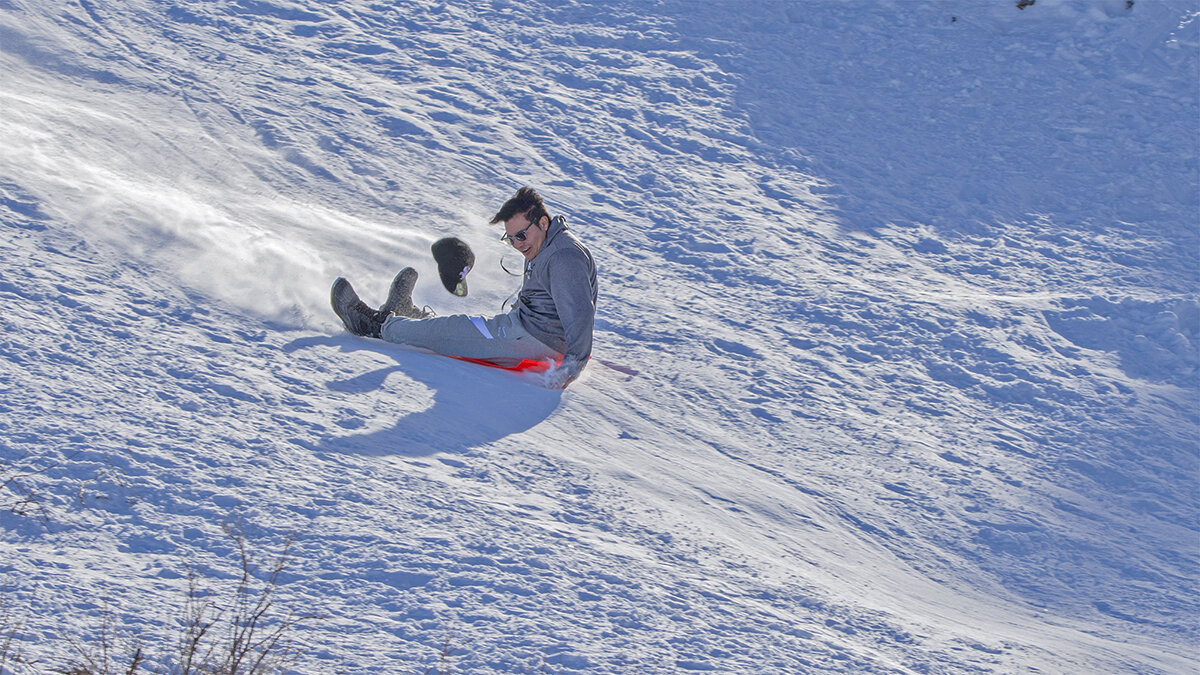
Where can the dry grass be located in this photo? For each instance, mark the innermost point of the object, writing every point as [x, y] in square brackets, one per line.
[242, 631]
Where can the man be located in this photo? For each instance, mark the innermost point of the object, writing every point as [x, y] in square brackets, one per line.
[552, 319]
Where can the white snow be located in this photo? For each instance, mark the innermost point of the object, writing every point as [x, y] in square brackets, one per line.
[912, 291]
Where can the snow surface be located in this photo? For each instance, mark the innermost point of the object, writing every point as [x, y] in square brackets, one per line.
[911, 290]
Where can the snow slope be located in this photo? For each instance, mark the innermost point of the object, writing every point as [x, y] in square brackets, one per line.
[911, 290]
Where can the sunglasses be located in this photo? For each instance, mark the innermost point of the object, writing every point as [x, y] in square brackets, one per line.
[519, 235]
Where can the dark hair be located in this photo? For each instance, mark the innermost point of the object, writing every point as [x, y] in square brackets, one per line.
[527, 201]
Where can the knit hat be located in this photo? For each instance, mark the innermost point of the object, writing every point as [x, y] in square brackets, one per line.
[454, 259]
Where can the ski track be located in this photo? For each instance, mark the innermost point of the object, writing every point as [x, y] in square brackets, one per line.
[911, 294]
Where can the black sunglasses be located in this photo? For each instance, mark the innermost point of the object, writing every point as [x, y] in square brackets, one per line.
[519, 235]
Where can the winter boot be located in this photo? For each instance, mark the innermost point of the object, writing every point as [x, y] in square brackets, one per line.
[358, 318]
[399, 300]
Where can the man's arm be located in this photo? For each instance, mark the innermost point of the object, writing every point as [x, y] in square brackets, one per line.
[571, 290]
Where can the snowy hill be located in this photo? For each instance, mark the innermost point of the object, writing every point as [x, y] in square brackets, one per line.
[911, 289]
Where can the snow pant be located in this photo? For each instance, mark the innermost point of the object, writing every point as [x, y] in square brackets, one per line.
[500, 339]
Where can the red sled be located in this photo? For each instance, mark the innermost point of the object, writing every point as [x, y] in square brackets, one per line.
[522, 366]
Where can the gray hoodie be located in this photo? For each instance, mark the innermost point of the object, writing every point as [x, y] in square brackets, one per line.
[557, 303]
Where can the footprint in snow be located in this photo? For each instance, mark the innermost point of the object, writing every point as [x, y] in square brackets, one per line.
[349, 419]
[733, 348]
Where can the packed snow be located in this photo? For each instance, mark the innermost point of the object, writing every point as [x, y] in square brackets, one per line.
[896, 350]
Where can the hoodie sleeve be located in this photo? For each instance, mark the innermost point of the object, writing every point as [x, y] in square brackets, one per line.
[572, 287]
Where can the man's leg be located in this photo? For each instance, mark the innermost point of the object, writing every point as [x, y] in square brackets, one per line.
[499, 339]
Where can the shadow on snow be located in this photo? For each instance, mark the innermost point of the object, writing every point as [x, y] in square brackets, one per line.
[472, 405]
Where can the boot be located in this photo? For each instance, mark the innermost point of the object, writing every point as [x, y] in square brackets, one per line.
[399, 300]
[358, 318]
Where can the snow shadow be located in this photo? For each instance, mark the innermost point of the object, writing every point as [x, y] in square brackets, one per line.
[472, 405]
[977, 115]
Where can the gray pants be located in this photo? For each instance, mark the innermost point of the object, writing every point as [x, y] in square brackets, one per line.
[499, 339]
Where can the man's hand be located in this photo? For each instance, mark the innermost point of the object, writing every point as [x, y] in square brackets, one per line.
[564, 374]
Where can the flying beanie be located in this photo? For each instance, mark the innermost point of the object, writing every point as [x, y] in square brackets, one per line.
[454, 259]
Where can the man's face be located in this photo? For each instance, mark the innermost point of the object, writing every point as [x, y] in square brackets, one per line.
[534, 234]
